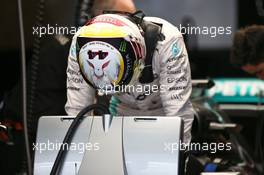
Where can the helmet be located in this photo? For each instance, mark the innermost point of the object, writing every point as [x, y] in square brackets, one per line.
[110, 51]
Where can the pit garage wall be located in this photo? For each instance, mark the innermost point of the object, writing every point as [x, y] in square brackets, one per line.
[60, 12]
[204, 13]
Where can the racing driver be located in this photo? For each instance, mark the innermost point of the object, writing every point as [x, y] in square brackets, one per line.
[109, 52]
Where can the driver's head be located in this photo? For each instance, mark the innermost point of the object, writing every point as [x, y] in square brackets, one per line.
[119, 5]
[110, 51]
[248, 50]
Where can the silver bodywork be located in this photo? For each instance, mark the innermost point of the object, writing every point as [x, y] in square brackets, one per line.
[116, 146]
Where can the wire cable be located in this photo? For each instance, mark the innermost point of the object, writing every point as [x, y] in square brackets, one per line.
[24, 90]
[70, 133]
[33, 71]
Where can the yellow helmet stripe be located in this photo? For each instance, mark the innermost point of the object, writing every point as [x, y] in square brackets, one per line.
[94, 31]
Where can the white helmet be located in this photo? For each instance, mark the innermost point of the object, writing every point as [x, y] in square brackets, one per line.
[110, 51]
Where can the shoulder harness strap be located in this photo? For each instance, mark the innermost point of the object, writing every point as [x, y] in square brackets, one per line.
[152, 34]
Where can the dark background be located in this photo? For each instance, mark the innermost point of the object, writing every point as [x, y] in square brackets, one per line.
[53, 59]
[213, 63]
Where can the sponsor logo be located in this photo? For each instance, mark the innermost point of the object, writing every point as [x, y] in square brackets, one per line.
[73, 72]
[122, 47]
[173, 66]
[73, 88]
[177, 97]
[174, 59]
[177, 88]
[128, 67]
[171, 59]
[176, 80]
[175, 50]
[109, 20]
[74, 80]
[174, 72]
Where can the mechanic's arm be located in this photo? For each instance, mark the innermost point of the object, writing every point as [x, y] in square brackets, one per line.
[175, 81]
[79, 93]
